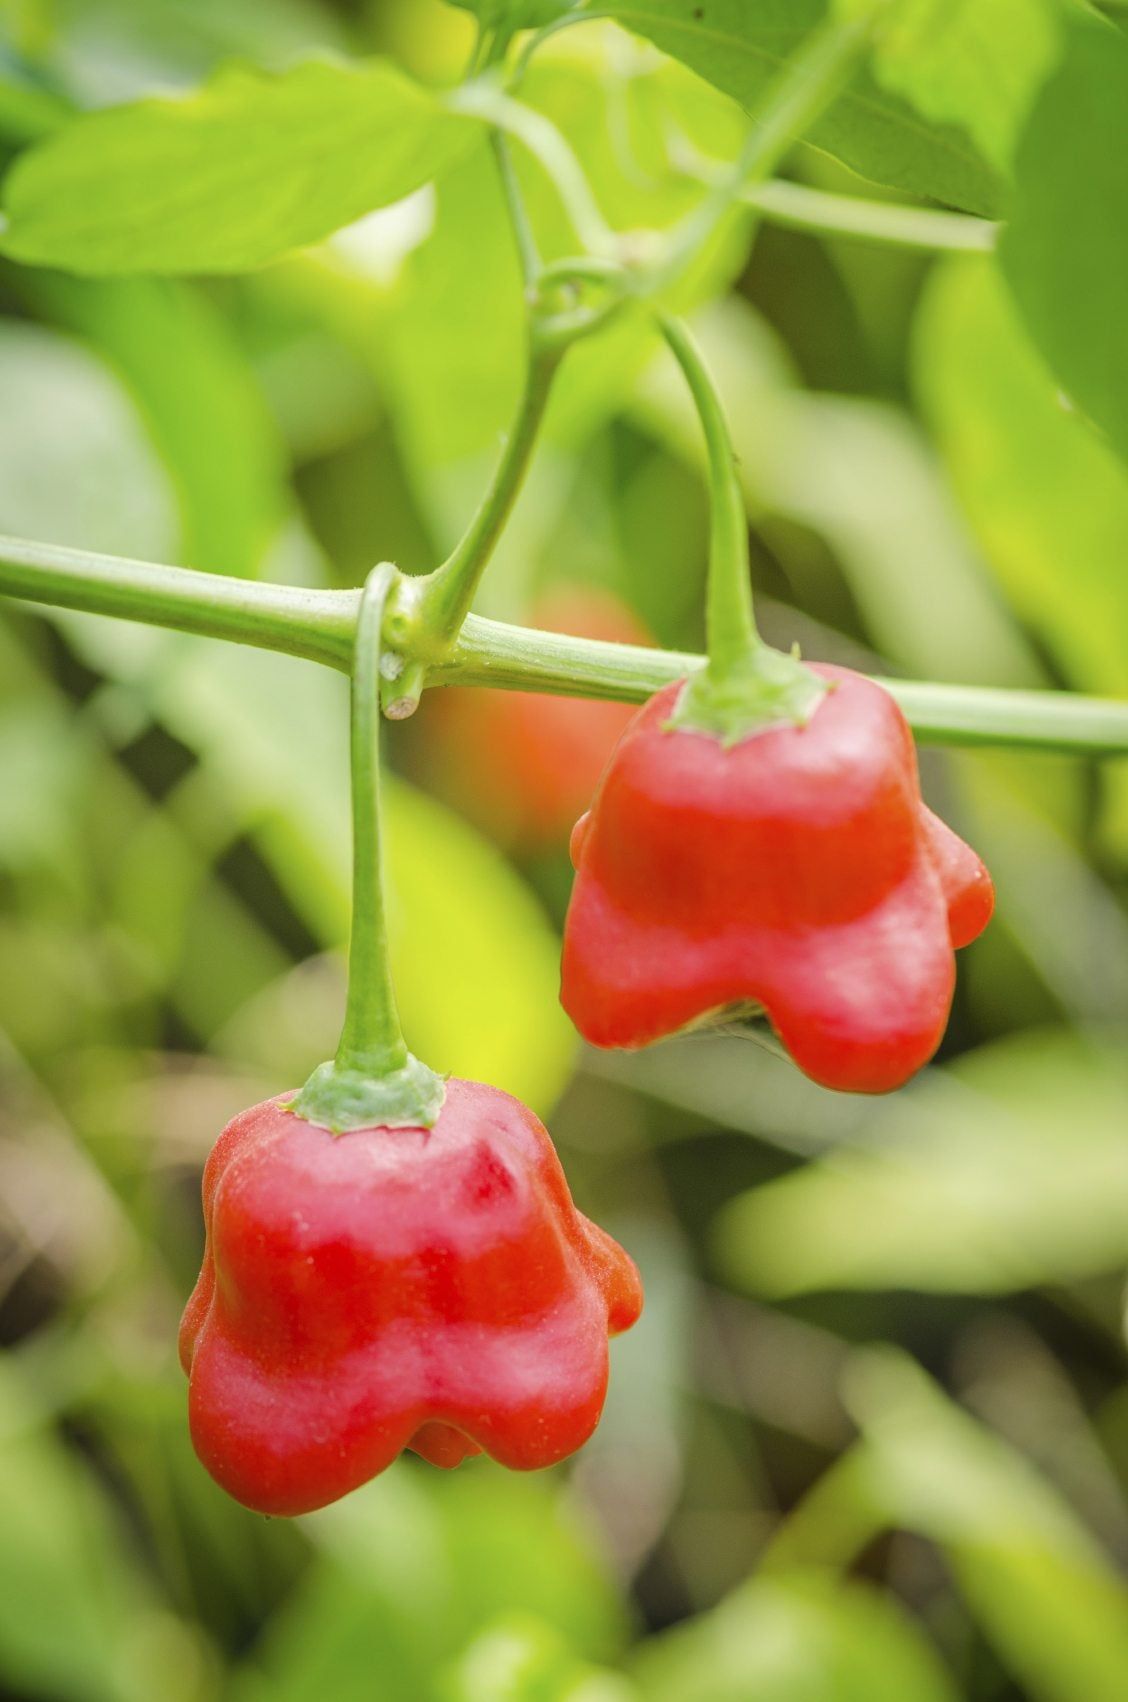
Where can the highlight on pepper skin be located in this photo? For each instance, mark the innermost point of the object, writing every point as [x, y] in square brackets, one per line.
[394, 1288]
[798, 869]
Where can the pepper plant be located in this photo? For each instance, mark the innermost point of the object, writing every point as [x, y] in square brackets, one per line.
[758, 844]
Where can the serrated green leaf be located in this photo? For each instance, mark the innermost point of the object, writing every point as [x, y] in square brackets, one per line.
[231, 177]
[740, 45]
[1064, 252]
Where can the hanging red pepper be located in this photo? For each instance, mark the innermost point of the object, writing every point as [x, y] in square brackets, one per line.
[797, 870]
[391, 1288]
[392, 1261]
[758, 839]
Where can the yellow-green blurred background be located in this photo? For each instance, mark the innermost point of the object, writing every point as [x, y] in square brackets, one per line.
[870, 1440]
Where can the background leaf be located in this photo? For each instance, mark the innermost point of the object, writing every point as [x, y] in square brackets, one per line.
[740, 45]
[800, 1636]
[974, 64]
[1057, 1612]
[231, 177]
[1065, 249]
[1010, 1171]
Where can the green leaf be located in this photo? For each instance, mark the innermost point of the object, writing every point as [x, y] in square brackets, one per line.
[418, 1565]
[1065, 250]
[231, 177]
[975, 64]
[1047, 499]
[740, 45]
[520, 1659]
[27, 109]
[97, 484]
[1007, 1171]
[77, 1622]
[196, 394]
[796, 1636]
[1049, 1601]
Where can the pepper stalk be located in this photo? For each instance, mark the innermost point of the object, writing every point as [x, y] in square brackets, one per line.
[745, 685]
[374, 1081]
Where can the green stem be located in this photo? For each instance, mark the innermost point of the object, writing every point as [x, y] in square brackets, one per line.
[445, 598]
[320, 626]
[315, 624]
[538, 134]
[518, 217]
[928, 230]
[514, 658]
[373, 1082]
[731, 622]
[746, 685]
[372, 1039]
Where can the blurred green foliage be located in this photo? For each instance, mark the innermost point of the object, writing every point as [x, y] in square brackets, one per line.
[774, 1509]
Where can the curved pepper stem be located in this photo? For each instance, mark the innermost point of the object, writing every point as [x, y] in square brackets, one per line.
[373, 1081]
[746, 684]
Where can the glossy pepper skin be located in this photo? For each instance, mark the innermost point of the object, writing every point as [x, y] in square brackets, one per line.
[797, 870]
[394, 1288]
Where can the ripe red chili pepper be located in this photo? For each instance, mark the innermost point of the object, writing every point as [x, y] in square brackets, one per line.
[434, 1289]
[797, 869]
[522, 765]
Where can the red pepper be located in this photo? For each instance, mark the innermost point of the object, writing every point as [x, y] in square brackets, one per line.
[522, 765]
[390, 1288]
[797, 870]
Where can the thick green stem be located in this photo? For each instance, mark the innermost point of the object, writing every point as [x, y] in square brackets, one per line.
[320, 625]
[444, 599]
[731, 623]
[514, 658]
[316, 624]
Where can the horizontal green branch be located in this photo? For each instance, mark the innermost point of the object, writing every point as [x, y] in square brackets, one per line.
[316, 624]
[320, 625]
[516, 658]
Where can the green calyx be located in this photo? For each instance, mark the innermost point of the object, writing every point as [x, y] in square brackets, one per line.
[764, 688]
[340, 1099]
